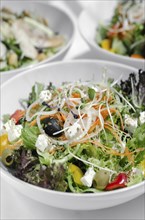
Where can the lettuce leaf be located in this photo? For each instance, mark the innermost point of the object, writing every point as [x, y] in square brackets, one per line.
[134, 179]
[138, 141]
[29, 136]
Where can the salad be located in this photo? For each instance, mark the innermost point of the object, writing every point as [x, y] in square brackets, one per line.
[80, 137]
[125, 32]
[26, 39]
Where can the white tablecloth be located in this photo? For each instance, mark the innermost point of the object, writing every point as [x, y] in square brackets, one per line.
[16, 206]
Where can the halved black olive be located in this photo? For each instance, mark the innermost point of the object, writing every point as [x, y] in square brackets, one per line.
[52, 125]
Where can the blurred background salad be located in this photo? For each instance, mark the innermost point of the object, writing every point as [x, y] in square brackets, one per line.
[16, 48]
[124, 34]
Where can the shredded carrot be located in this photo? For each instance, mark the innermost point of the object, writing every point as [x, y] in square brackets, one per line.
[105, 98]
[113, 110]
[76, 95]
[129, 156]
[63, 116]
[58, 116]
[34, 122]
[104, 114]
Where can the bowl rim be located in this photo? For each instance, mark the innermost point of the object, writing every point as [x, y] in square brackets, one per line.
[60, 52]
[100, 49]
[7, 174]
[59, 63]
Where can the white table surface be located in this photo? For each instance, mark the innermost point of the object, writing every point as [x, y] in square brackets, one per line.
[15, 206]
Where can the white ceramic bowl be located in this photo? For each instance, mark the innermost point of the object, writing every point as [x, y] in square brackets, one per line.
[20, 86]
[88, 22]
[59, 20]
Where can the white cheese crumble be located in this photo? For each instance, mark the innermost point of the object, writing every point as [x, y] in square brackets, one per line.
[73, 131]
[42, 142]
[13, 131]
[87, 179]
[45, 96]
[130, 123]
[142, 117]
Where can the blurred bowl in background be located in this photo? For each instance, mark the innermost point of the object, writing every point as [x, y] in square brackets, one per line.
[88, 23]
[59, 20]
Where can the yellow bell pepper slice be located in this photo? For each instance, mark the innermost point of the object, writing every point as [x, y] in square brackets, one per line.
[106, 44]
[76, 173]
[4, 143]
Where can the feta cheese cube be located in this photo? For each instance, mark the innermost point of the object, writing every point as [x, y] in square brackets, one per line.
[87, 179]
[9, 124]
[45, 96]
[130, 123]
[13, 131]
[142, 117]
[73, 130]
[42, 142]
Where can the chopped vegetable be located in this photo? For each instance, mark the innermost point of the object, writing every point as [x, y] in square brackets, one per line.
[29, 136]
[106, 44]
[76, 173]
[17, 115]
[119, 182]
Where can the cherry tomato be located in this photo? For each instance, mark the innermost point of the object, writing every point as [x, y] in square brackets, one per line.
[17, 115]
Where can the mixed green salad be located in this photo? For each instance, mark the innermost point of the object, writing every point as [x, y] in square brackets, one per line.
[124, 34]
[26, 39]
[81, 137]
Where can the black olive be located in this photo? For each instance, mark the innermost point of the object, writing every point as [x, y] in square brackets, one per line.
[52, 125]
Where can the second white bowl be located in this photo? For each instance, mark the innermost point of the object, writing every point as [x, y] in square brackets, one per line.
[59, 20]
[88, 28]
